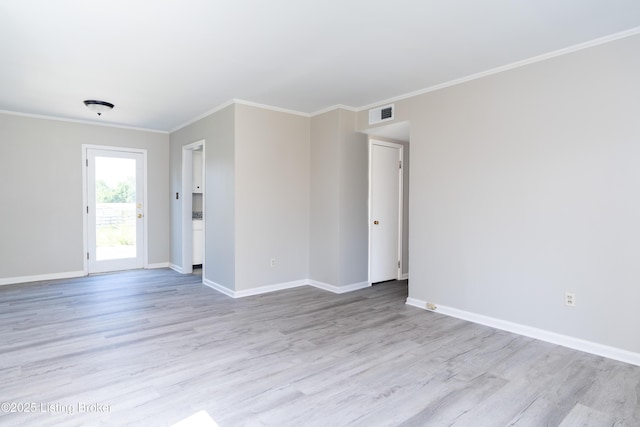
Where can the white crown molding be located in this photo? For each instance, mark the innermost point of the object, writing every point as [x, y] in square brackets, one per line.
[264, 107]
[529, 331]
[539, 58]
[203, 115]
[271, 108]
[518, 64]
[532, 60]
[239, 102]
[41, 277]
[78, 121]
[332, 108]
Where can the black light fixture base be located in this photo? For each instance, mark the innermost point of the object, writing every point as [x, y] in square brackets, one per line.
[98, 107]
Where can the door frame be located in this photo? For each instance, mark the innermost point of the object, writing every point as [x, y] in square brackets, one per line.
[85, 200]
[400, 147]
[187, 206]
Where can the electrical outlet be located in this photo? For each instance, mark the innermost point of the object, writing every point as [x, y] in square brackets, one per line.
[431, 306]
[570, 299]
[273, 262]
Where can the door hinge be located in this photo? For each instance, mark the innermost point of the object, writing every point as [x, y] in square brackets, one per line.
[87, 161]
[399, 164]
[87, 209]
[398, 264]
[87, 256]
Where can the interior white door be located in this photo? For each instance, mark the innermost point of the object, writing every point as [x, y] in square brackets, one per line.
[385, 211]
[115, 210]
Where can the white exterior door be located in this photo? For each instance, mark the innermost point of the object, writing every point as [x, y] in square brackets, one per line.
[115, 210]
[385, 202]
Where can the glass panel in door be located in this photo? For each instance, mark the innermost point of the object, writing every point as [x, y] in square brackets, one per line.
[115, 211]
[115, 208]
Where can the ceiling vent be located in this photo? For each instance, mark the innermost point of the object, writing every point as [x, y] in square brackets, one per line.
[381, 114]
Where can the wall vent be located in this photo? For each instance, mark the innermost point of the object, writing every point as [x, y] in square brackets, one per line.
[381, 114]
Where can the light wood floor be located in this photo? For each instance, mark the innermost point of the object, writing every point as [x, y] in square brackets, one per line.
[158, 346]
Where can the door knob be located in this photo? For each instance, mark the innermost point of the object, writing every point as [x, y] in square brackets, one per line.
[139, 215]
[376, 222]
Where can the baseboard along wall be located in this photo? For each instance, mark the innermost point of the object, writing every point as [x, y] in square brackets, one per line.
[68, 275]
[531, 332]
[282, 286]
[528, 331]
[41, 277]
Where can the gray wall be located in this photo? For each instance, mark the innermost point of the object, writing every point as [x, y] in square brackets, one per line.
[256, 195]
[218, 132]
[272, 196]
[324, 170]
[41, 226]
[273, 193]
[353, 188]
[339, 193]
[524, 185]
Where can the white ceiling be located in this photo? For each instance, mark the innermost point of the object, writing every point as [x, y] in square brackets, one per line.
[164, 62]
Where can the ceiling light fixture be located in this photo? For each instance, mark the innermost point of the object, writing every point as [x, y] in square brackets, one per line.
[98, 106]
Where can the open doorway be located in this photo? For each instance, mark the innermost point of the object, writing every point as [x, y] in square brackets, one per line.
[193, 207]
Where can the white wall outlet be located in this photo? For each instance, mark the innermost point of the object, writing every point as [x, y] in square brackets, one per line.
[272, 263]
[570, 299]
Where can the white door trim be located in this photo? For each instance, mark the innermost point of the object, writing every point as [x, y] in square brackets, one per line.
[400, 147]
[187, 205]
[85, 200]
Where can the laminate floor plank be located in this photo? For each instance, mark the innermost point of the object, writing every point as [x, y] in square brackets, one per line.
[156, 346]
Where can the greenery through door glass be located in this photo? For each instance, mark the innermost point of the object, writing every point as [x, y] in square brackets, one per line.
[115, 206]
[121, 192]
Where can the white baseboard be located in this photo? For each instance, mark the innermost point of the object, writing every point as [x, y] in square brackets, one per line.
[253, 291]
[218, 287]
[413, 302]
[339, 289]
[405, 276]
[270, 288]
[540, 334]
[175, 268]
[282, 286]
[41, 277]
[158, 265]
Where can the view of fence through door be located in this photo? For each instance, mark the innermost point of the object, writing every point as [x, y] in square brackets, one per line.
[115, 210]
